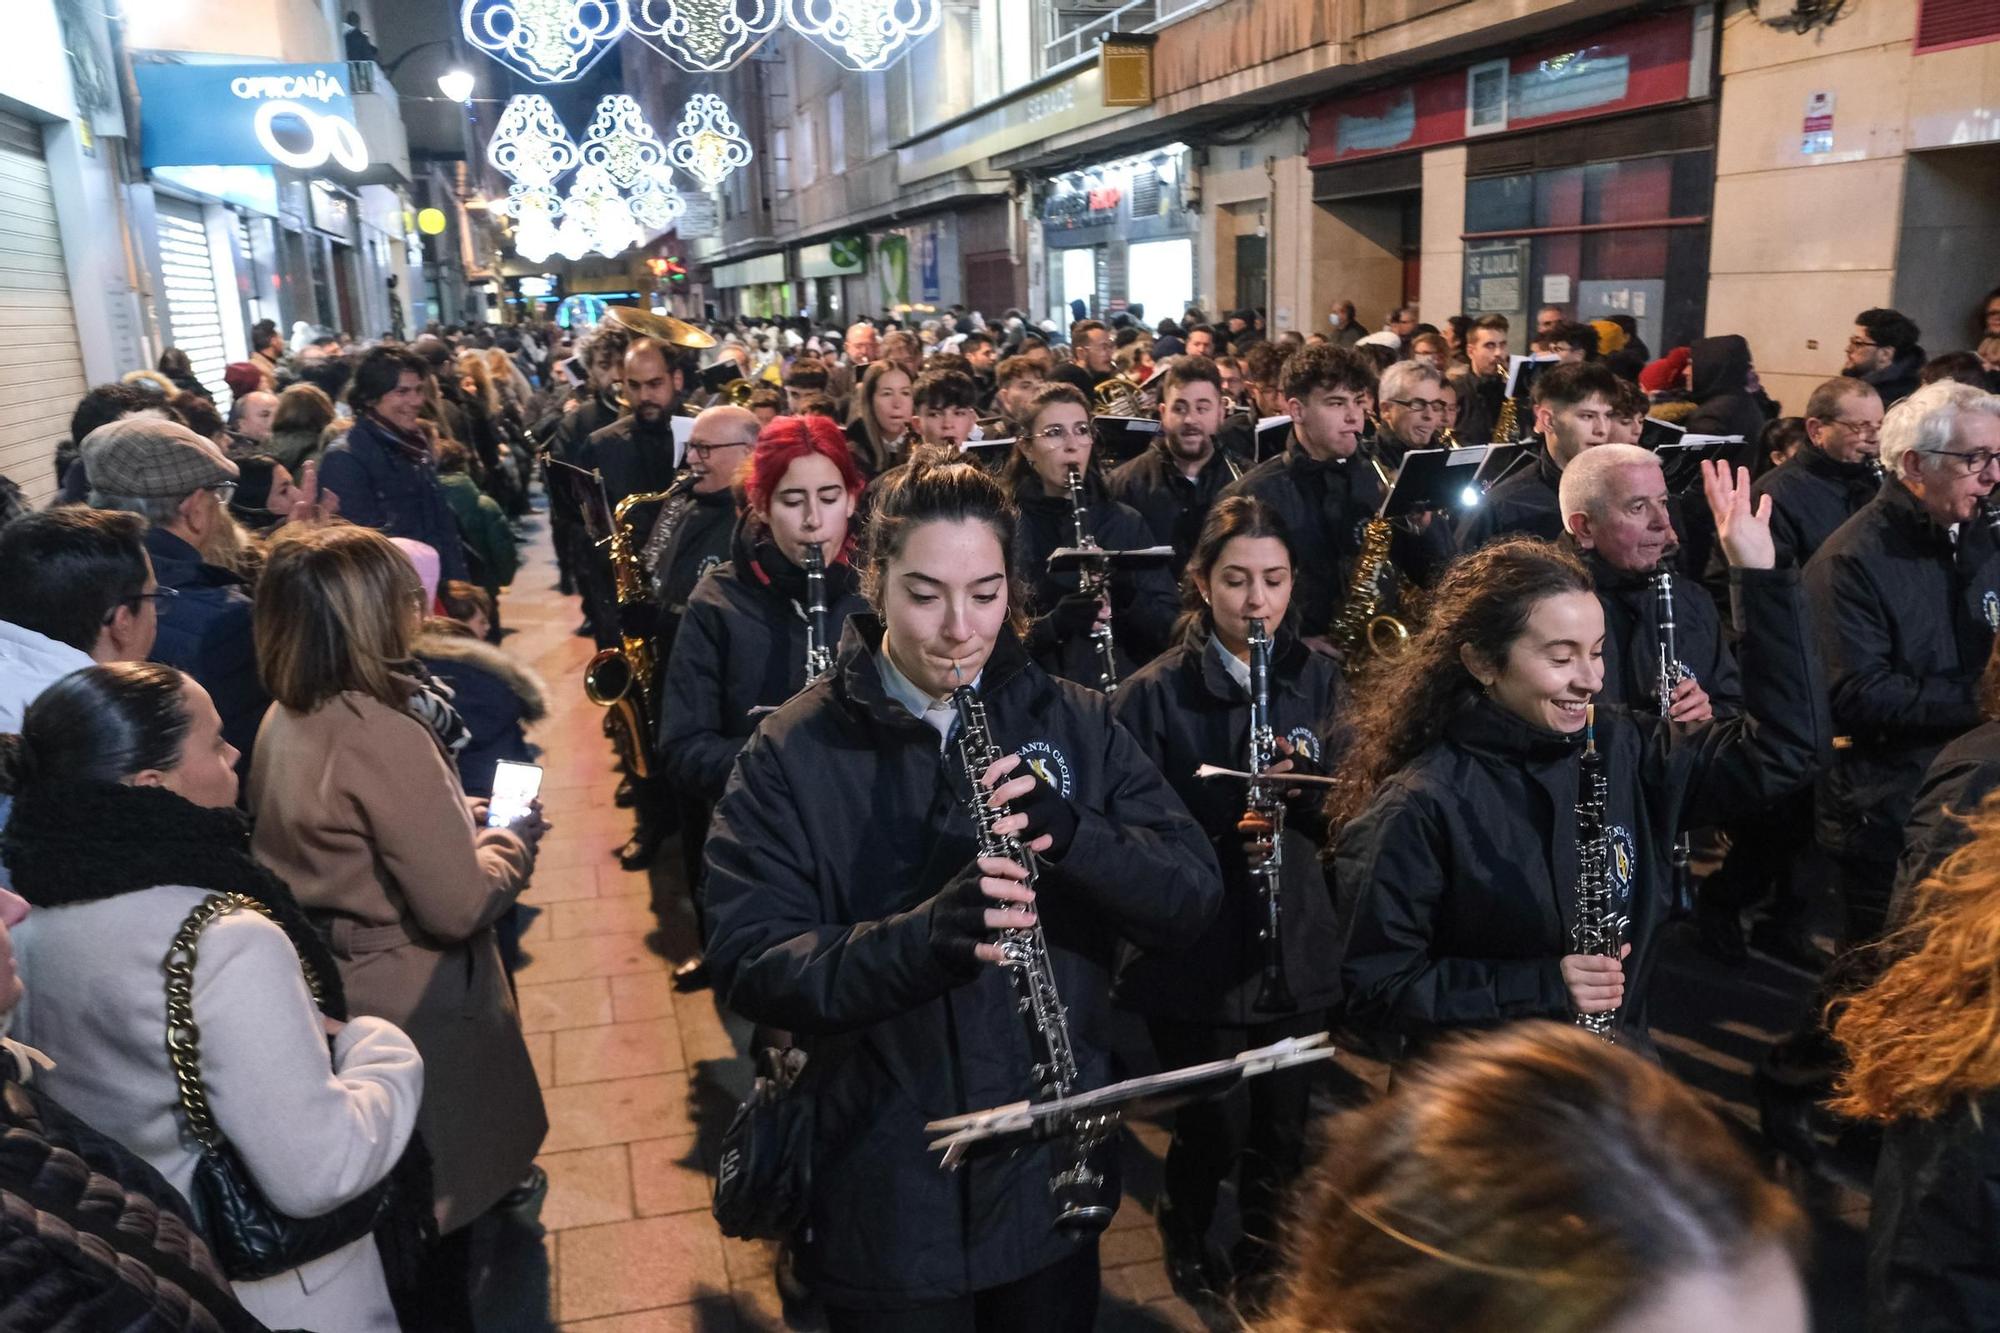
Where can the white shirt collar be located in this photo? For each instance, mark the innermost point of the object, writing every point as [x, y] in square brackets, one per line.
[937, 714]
[1239, 670]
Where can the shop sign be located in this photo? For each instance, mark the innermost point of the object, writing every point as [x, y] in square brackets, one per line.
[1496, 275]
[333, 212]
[927, 265]
[1817, 128]
[892, 254]
[842, 255]
[297, 116]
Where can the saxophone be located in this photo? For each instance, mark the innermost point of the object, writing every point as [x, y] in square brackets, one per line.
[1506, 427]
[621, 678]
[1095, 579]
[1081, 1205]
[1599, 926]
[1360, 630]
[1264, 819]
[819, 653]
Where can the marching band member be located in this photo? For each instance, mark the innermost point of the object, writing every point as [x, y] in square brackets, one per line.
[1415, 405]
[1051, 441]
[1457, 845]
[1189, 706]
[1572, 412]
[880, 427]
[947, 407]
[1175, 481]
[1837, 472]
[846, 906]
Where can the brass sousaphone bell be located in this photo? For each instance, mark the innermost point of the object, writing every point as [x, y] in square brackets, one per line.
[671, 331]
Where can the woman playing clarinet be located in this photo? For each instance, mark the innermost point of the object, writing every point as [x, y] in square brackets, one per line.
[847, 906]
[1241, 985]
[1465, 826]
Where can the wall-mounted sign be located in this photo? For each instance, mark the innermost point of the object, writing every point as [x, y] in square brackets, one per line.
[1817, 128]
[297, 116]
[332, 211]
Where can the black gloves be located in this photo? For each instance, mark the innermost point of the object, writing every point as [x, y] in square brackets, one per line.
[1072, 616]
[958, 921]
[1048, 812]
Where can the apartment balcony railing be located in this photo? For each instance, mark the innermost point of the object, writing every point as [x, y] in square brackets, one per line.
[1077, 26]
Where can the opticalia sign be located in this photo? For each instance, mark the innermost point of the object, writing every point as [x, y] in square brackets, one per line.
[297, 116]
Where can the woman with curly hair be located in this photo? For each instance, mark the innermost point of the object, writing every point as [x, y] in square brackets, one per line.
[1536, 1181]
[1923, 1046]
[1457, 846]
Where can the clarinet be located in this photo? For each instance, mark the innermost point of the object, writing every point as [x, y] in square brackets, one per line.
[1094, 576]
[1599, 926]
[1264, 817]
[1669, 672]
[1077, 1190]
[819, 653]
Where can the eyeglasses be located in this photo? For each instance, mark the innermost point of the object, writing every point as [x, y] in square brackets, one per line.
[1866, 429]
[1974, 461]
[1056, 433]
[159, 597]
[1856, 344]
[1437, 405]
[223, 491]
[702, 451]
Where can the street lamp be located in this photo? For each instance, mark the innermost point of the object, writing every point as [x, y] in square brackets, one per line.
[456, 84]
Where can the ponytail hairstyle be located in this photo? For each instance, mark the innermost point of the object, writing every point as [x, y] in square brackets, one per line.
[1230, 518]
[100, 724]
[1017, 468]
[1482, 603]
[938, 486]
[784, 442]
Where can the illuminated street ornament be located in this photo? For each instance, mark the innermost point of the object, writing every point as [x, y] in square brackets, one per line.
[534, 210]
[599, 212]
[866, 34]
[581, 310]
[545, 41]
[707, 145]
[704, 36]
[571, 240]
[530, 145]
[621, 142]
[655, 203]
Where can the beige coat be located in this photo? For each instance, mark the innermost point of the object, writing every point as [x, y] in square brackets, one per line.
[359, 811]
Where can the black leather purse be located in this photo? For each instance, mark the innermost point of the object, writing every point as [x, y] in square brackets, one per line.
[251, 1238]
[763, 1181]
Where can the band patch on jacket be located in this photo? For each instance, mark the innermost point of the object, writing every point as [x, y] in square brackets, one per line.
[1049, 764]
[708, 562]
[1619, 862]
[1304, 742]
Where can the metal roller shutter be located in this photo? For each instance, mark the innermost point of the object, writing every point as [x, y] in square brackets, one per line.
[41, 363]
[187, 277]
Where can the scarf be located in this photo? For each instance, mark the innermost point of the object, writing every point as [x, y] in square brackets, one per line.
[430, 702]
[71, 842]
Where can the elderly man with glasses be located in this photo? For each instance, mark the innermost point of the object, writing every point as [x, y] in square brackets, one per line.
[1413, 405]
[1838, 470]
[1905, 599]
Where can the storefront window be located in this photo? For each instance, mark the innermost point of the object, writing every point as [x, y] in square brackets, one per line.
[1577, 237]
[1161, 277]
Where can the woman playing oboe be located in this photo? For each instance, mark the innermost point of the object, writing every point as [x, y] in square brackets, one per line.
[1235, 989]
[1457, 820]
[846, 905]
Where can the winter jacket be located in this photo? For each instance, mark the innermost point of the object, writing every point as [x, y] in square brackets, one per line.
[205, 631]
[483, 528]
[29, 664]
[1897, 380]
[1524, 502]
[1187, 710]
[1144, 601]
[701, 541]
[381, 485]
[1632, 640]
[361, 813]
[1903, 617]
[1720, 375]
[1479, 413]
[1458, 881]
[91, 1236]
[632, 458]
[294, 448]
[496, 695]
[1963, 775]
[1324, 505]
[1933, 1247]
[1811, 496]
[840, 823]
[1173, 504]
[740, 648]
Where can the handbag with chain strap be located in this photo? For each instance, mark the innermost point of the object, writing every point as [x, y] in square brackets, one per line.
[251, 1238]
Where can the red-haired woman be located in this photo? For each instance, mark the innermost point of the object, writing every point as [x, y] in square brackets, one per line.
[741, 647]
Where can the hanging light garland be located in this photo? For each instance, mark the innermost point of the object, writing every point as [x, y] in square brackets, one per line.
[865, 34]
[545, 41]
[704, 36]
[621, 142]
[530, 146]
[595, 206]
[707, 144]
[656, 204]
[534, 209]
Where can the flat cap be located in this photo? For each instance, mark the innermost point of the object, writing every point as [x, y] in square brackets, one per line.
[152, 458]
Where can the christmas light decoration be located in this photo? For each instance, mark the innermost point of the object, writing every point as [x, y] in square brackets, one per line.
[621, 142]
[865, 34]
[599, 211]
[707, 144]
[655, 203]
[583, 309]
[534, 210]
[530, 145]
[572, 241]
[704, 36]
[545, 41]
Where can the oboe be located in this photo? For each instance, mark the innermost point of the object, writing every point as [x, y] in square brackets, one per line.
[1077, 1190]
[1599, 925]
[819, 653]
[1095, 578]
[1264, 819]
[1669, 673]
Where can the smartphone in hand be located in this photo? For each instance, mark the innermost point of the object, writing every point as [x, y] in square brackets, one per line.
[514, 788]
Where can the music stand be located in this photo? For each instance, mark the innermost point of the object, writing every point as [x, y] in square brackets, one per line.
[1120, 439]
[586, 491]
[1433, 479]
[1681, 461]
[1066, 558]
